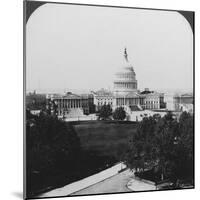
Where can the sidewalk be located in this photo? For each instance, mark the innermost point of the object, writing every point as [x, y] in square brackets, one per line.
[86, 182]
[124, 181]
[139, 185]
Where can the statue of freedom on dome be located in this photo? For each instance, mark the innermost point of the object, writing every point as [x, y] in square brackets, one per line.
[125, 54]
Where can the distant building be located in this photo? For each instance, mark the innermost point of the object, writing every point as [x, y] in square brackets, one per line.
[184, 102]
[71, 105]
[179, 102]
[102, 97]
[154, 100]
[125, 94]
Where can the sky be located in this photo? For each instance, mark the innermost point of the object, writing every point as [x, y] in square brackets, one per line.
[80, 48]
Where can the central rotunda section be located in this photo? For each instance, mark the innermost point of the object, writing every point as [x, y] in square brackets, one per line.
[125, 79]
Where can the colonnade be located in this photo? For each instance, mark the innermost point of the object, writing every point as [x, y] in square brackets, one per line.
[69, 103]
[127, 101]
[129, 85]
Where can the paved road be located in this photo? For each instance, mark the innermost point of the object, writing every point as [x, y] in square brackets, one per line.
[114, 184]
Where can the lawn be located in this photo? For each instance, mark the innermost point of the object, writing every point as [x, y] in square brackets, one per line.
[109, 138]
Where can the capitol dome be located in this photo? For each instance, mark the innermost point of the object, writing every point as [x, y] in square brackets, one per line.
[125, 79]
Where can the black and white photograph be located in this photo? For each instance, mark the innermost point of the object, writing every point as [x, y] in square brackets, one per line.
[108, 99]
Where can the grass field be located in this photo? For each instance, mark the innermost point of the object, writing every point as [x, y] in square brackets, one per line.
[103, 144]
[108, 138]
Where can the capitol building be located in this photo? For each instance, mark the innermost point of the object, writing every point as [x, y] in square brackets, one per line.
[125, 94]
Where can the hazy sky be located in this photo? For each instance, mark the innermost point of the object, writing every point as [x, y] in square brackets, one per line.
[73, 47]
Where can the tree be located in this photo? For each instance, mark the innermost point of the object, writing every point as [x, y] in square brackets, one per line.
[119, 113]
[51, 108]
[141, 146]
[105, 112]
[164, 140]
[52, 148]
[185, 146]
[35, 101]
[165, 144]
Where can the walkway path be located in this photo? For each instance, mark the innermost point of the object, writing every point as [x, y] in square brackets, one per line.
[86, 182]
[113, 184]
[122, 182]
[139, 185]
[107, 181]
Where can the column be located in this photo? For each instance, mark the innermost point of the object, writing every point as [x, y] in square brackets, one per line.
[67, 103]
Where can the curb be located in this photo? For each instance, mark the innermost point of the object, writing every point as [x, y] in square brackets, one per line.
[145, 181]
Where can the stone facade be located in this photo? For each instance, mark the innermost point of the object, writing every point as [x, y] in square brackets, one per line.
[103, 97]
[154, 100]
[70, 104]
